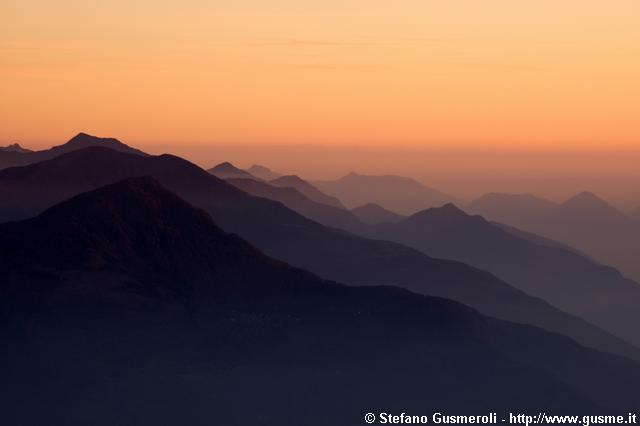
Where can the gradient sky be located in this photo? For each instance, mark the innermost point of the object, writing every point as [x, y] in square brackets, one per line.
[407, 72]
[418, 74]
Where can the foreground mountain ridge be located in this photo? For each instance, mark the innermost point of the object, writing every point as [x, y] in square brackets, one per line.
[129, 287]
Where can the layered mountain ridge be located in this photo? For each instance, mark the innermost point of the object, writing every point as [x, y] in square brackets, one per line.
[147, 310]
[287, 236]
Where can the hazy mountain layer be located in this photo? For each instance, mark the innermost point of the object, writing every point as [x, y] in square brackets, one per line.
[564, 278]
[585, 222]
[395, 193]
[288, 236]
[373, 214]
[126, 305]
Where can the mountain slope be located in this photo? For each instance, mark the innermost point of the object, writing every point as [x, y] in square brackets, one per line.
[228, 171]
[374, 214]
[519, 210]
[298, 202]
[307, 189]
[562, 277]
[396, 193]
[20, 157]
[127, 305]
[14, 148]
[263, 172]
[285, 235]
[584, 221]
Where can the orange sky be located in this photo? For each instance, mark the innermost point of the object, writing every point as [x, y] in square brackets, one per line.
[467, 95]
[419, 73]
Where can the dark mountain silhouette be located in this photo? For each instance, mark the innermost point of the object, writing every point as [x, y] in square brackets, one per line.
[15, 148]
[307, 189]
[374, 214]
[396, 193]
[81, 140]
[283, 234]
[563, 278]
[227, 170]
[584, 221]
[263, 172]
[635, 214]
[127, 305]
[292, 198]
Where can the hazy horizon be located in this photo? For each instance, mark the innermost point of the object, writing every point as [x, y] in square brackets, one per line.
[464, 173]
[468, 97]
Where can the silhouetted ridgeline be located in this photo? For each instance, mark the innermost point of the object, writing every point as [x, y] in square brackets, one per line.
[396, 193]
[126, 305]
[562, 277]
[288, 236]
[584, 221]
[15, 155]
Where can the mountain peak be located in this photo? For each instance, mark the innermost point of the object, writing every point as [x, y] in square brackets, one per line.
[451, 208]
[370, 207]
[78, 142]
[86, 139]
[586, 199]
[135, 225]
[227, 170]
[107, 202]
[448, 211]
[14, 148]
[225, 166]
[263, 172]
[588, 206]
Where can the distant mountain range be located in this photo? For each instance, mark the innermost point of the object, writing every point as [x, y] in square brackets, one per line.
[307, 189]
[127, 304]
[295, 200]
[263, 172]
[395, 193]
[373, 214]
[562, 277]
[541, 267]
[584, 221]
[18, 156]
[227, 170]
[288, 236]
